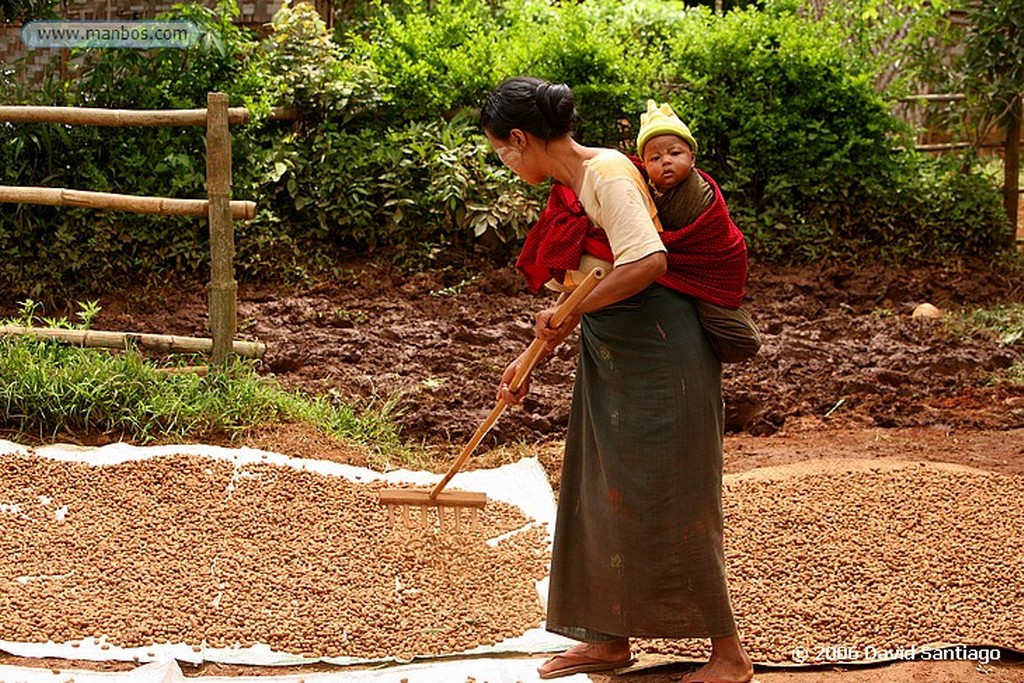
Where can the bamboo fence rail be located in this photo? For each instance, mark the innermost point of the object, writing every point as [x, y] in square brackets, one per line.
[117, 118]
[161, 206]
[123, 340]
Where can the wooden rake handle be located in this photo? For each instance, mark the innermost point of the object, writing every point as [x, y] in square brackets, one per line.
[537, 350]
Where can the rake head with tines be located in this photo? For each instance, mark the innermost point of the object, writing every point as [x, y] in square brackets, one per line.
[420, 509]
[400, 502]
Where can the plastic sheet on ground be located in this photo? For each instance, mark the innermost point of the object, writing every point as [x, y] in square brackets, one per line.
[482, 670]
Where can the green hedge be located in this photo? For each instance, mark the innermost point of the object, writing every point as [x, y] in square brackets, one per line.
[802, 145]
[387, 155]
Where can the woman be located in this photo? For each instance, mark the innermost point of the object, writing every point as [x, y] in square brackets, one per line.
[638, 537]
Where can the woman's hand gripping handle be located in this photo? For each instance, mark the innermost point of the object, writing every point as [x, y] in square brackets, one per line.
[515, 380]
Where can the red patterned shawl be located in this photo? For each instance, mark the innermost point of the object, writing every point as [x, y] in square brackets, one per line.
[707, 259]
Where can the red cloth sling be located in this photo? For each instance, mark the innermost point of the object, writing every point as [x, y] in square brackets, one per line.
[707, 259]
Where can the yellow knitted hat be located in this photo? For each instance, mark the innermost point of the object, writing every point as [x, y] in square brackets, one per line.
[661, 121]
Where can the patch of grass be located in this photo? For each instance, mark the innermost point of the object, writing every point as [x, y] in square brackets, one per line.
[48, 388]
[374, 426]
[456, 289]
[1003, 324]
[1014, 374]
[354, 317]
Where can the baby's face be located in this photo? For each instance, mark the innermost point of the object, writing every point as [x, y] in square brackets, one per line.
[668, 160]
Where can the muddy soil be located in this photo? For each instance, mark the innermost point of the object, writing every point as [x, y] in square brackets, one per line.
[840, 349]
[845, 372]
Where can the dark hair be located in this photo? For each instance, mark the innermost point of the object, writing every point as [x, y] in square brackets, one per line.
[547, 110]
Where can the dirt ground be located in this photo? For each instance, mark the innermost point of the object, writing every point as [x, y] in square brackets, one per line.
[845, 372]
[840, 349]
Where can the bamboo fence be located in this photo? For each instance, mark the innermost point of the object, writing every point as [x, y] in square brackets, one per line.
[120, 340]
[1010, 145]
[222, 289]
[162, 206]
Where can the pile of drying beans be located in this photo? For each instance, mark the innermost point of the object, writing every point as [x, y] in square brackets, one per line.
[187, 549]
[854, 565]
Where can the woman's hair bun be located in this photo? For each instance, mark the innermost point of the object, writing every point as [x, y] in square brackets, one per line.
[547, 110]
[557, 105]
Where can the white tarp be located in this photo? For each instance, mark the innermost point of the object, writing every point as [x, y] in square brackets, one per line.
[481, 670]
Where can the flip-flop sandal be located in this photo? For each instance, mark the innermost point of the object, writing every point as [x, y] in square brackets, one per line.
[580, 664]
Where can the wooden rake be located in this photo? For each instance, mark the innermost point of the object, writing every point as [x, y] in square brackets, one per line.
[401, 501]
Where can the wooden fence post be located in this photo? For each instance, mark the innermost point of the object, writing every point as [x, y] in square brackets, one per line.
[1011, 167]
[223, 288]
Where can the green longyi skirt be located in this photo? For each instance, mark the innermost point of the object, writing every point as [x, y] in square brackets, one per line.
[638, 538]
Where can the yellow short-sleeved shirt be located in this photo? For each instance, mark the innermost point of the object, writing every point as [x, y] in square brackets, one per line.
[615, 198]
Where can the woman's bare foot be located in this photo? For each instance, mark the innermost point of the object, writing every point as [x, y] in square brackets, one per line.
[729, 663]
[588, 657]
[719, 672]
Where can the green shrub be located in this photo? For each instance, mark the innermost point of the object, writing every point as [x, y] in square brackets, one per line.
[930, 207]
[300, 65]
[414, 178]
[424, 188]
[386, 154]
[802, 146]
[166, 78]
[440, 57]
[590, 46]
[435, 56]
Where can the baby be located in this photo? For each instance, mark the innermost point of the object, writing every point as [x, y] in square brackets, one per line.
[708, 254]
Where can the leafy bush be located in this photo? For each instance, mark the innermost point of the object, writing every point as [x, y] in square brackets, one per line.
[928, 207]
[436, 56]
[299, 65]
[423, 188]
[166, 78]
[440, 57]
[802, 146]
[564, 43]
